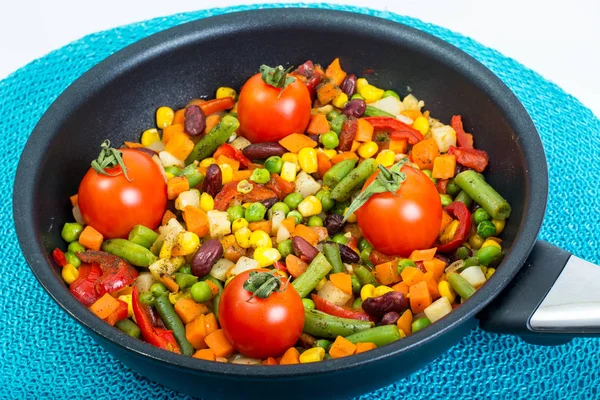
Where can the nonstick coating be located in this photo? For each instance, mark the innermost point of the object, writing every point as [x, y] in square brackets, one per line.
[117, 100]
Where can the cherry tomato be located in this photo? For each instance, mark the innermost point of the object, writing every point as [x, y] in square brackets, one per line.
[113, 205]
[397, 225]
[268, 114]
[261, 328]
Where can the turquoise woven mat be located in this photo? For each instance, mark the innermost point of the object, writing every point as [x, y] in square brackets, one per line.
[45, 354]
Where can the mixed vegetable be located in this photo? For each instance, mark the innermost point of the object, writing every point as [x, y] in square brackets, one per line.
[313, 216]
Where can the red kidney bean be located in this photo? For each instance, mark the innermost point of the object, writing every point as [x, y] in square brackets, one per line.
[262, 151]
[379, 306]
[194, 120]
[314, 137]
[303, 249]
[213, 183]
[206, 256]
[442, 258]
[390, 318]
[268, 203]
[334, 224]
[348, 133]
[307, 69]
[355, 108]
[349, 85]
[348, 255]
[312, 84]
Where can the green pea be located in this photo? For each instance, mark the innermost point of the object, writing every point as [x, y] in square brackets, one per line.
[75, 247]
[357, 303]
[429, 174]
[340, 207]
[293, 199]
[72, 259]
[147, 298]
[420, 323]
[340, 238]
[323, 343]
[260, 175]
[308, 304]
[485, 229]
[365, 256]
[274, 164]
[158, 289]
[462, 253]
[315, 220]
[285, 248]
[201, 292]
[480, 215]
[173, 170]
[390, 93]
[235, 212]
[357, 96]
[296, 215]
[186, 269]
[363, 244]
[355, 284]
[336, 123]
[71, 231]
[404, 263]
[281, 206]
[446, 199]
[333, 114]
[329, 140]
[488, 254]
[324, 197]
[452, 188]
[185, 280]
[256, 212]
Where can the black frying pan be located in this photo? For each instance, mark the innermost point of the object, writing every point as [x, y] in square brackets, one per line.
[117, 100]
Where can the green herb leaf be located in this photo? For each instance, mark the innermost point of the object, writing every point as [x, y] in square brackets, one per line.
[108, 158]
[276, 77]
[263, 284]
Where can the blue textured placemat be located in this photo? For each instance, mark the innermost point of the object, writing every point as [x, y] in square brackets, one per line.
[43, 353]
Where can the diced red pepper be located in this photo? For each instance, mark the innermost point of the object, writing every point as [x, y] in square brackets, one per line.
[348, 133]
[471, 158]
[306, 70]
[378, 257]
[398, 129]
[155, 336]
[116, 272]
[459, 211]
[441, 185]
[226, 195]
[229, 151]
[258, 193]
[310, 75]
[84, 287]
[280, 265]
[118, 315]
[280, 186]
[410, 136]
[328, 307]
[59, 257]
[465, 140]
[216, 105]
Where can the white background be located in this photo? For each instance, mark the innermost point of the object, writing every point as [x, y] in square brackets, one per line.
[558, 39]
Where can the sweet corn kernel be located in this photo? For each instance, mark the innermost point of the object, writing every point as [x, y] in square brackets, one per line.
[355, 145]
[69, 273]
[370, 93]
[288, 171]
[310, 206]
[449, 232]
[330, 153]
[244, 187]
[238, 224]
[402, 334]
[368, 149]
[351, 218]
[446, 291]
[293, 158]
[340, 100]
[150, 136]
[421, 124]
[360, 83]
[226, 173]
[207, 162]
[127, 299]
[381, 290]
[499, 224]
[307, 158]
[169, 175]
[260, 239]
[266, 256]
[242, 236]
[188, 242]
[282, 273]
[367, 291]
[475, 241]
[492, 243]
[224, 92]
[164, 117]
[321, 283]
[489, 273]
[207, 203]
[314, 354]
[386, 158]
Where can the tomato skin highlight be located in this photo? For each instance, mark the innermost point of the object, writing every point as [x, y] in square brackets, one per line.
[268, 114]
[397, 225]
[113, 205]
[260, 328]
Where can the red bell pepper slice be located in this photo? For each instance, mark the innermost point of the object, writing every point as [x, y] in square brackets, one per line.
[155, 336]
[59, 257]
[280, 186]
[328, 307]
[398, 129]
[459, 211]
[348, 133]
[216, 105]
[280, 265]
[472, 158]
[118, 315]
[229, 151]
[441, 185]
[465, 140]
[84, 287]
[116, 272]
[258, 193]
[226, 195]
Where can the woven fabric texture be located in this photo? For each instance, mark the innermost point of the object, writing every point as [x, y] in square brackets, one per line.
[45, 354]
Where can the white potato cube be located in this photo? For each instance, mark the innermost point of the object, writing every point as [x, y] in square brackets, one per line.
[332, 293]
[306, 184]
[218, 223]
[244, 264]
[389, 104]
[188, 198]
[240, 143]
[474, 275]
[438, 309]
[444, 136]
[169, 160]
[219, 270]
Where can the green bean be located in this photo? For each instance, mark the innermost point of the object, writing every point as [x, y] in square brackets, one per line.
[371, 111]
[452, 188]
[173, 322]
[317, 270]
[463, 197]
[354, 180]
[390, 93]
[142, 236]
[365, 256]
[156, 246]
[479, 190]
[158, 289]
[332, 115]
[338, 172]
[357, 96]
[147, 298]
[185, 280]
[308, 304]
[71, 231]
[470, 262]
[365, 276]
[194, 176]
[446, 199]
[355, 285]
[332, 254]
[129, 327]
[173, 170]
[420, 323]
[213, 139]
[317, 323]
[133, 253]
[488, 254]
[324, 343]
[337, 122]
[380, 335]
[460, 285]
[215, 305]
[357, 303]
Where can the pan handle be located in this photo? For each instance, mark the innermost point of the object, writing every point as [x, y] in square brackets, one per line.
[553, 298]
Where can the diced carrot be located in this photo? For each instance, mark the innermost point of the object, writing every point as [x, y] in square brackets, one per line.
[419, 296]
[290, 224]
[423, 255]
[214, 289]
[215, 105]
[446, 219]
[444, 166]
[210, 323]
[176, 186]
[307, 234]
[398, 146]
[171, 130]
[387, 273]
[211, 122]
[195, 332]
[205, 354]
[195, 102]
[318, 125]
[364, 131]
[133, 145]
[291, 356]
[219, 343]
[405, 322]
[412, 114]
[424, 152]
[296, 142]
[411, 276]
[180, 145]
[91, 238]
[232, 251]
[222, 159]
[335, 72]
[188, 310]
[74, 199]
[118, 315]
[401, 287]
[270, 361]
[342, 281]
[435, 266]
[179, 117]
[260, 226]
[327, 91]
[355, 145]
[105, 306]
[295, 266]
[432, 285]
[169, 283]
[323, 164]
[241, 175]
[342, 347]
[362, 347]
[321, 231]
[347, 155]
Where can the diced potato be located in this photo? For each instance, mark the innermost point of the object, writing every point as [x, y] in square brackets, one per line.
[188, 198]
[164, 266]
[389, 104]
[306, 185]
[276, 219]
[243, 264]
[240, 143]
[169, 232]
[218, 222]
[156, 146]
[403, 118]
[219, 270]
[169, 160]
[333, 294]
[474, 275]
[444, 136]
[438, 309]
[412, 103]
[144, 281]
[282, 234]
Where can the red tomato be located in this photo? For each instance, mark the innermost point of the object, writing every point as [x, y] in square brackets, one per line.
[260, 328]
[268, 114]
[397, 225]
[113, 205]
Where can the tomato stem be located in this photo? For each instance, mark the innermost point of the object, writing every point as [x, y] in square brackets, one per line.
[276, 77]
[263, 284]
[109, 157]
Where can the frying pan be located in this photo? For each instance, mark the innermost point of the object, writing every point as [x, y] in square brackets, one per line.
[116, 99]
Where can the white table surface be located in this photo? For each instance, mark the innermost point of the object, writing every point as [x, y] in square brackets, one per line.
[558, 39]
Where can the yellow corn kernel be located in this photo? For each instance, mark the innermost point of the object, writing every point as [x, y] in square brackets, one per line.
[242, 236]
[310, 206]
[475, 241]
[361, 82]
[282, 273]
[188, 242]
[386, 158]
[330, 153]
[490, 242]
[69, 273]
[207, 203]
[370, 93]
[226, 173]
[288, 171]
[368, 149]
[381, 290]
[489, 273]
[244, 187]
[367, 291]
[164, 117]
[150, 136]
[402, 334]
[266, 256]
[499, 224]
[127, 299]
[293, 158]
[229, 279]
[260, 239]
[238, 224]
[321, 283]
[340, 100]
[207, 162]
[307, 158]
[169, 175]
[224, 92]
[351, 218]
[446, 291]
[421, 124]
[449, 232]
[314, 354]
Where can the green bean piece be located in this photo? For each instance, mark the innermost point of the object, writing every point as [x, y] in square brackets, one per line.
[308, 304]
[486, 196]
[256, 212]
[338, 172]
[158, 289]
[147, 298]
[235, 212]
[185, 280]
[357, 96]
[365, 276]
[323, 343]
[452, 188]
[315, 220]
[201, 292]
[173, 322]
[296, 215]
[320, 324]
[354, 180]
[213, 139]
[429, 174]
[371, 111]
[72, 259]
[357, 303]
[340, 238]
[293, 200]
[156, 246]
[488, 254]
[142, 236]
[336, 123]
[274, 164]
[363, 244]
[71, 231]
[131, 252]
[380, 335]
[75, 247]
[365, 256]
[129, 327]
[332, 115]
[463, 197]
[485, 229]
[324, 197]
[332, 253]
[317, 270]
[173, 170]
[462, 253]
[405, 263]
[470, 262]
[191, 172]
[340, 207]
[355, 285]
[285, 248]
[215, 305]
[446, 200]
[480, 215]
[460, 285]
[420, 323]
[390, 93]
[185, 269]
